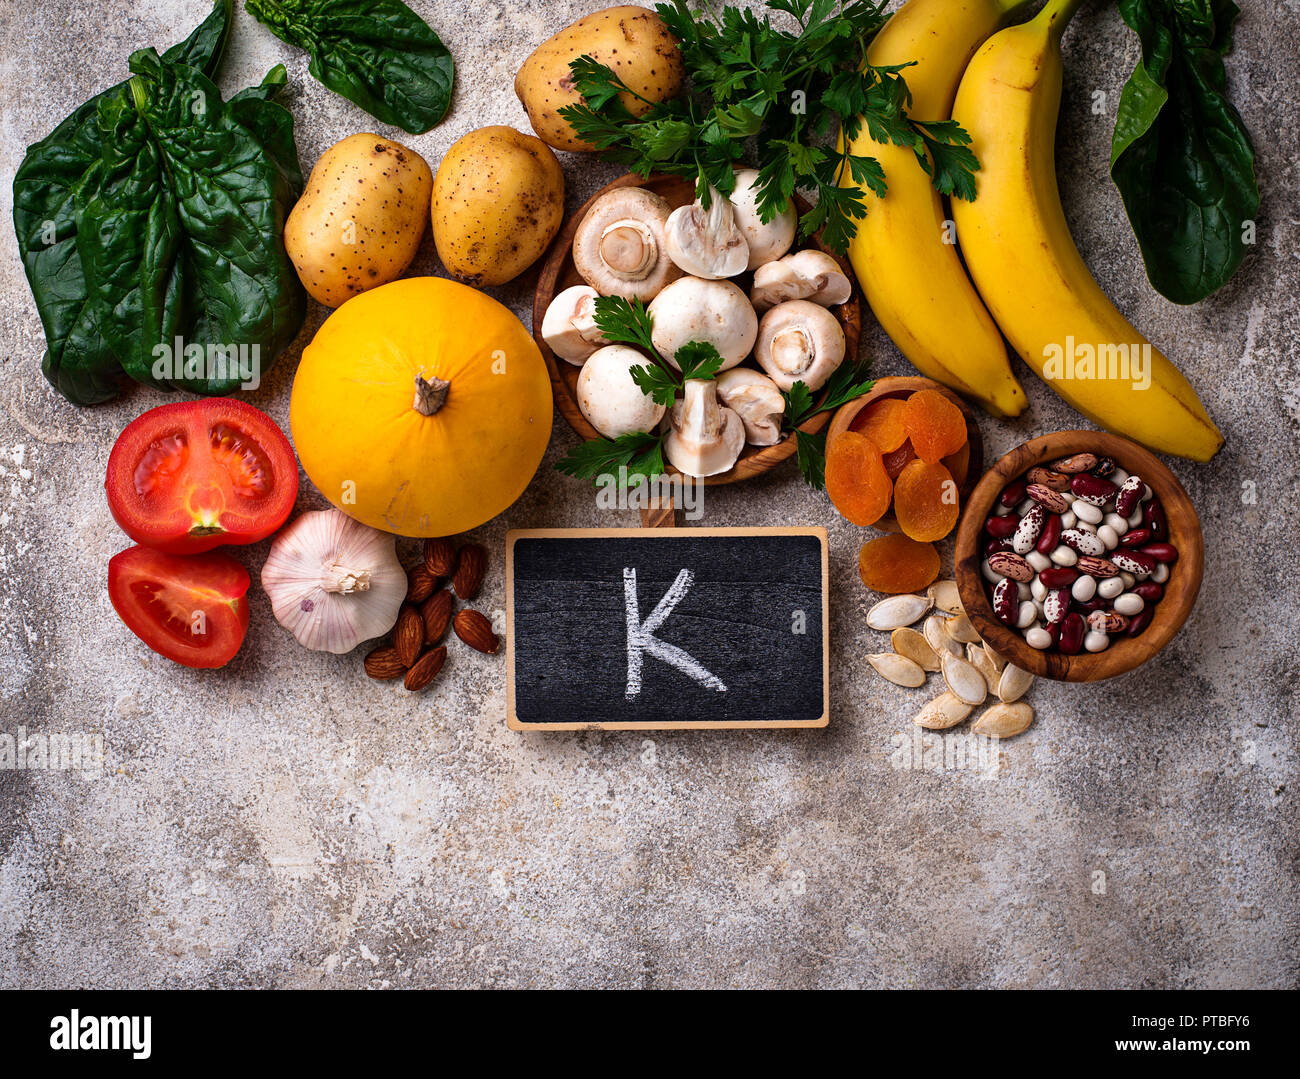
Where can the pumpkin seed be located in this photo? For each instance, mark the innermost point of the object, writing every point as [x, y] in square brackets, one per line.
[898, 669]
[941, 713]
[943, 594]
[937, 637]
[909, 643]
[1013, 683]
[897, 611]
[1005, 720]
[998, 661]
[960, 629]
[965, 680]
[979, 659]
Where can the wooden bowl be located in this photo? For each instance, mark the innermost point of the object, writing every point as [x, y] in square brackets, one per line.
[558, 273]
[905, 387]
[1124, 653]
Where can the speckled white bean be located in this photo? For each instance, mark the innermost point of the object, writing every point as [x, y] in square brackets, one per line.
[1161, 573]
[1115, 521]
[1038, 560]
[1094, 641]
[1064, 556]
[1086, 526]
[1110, 588]
[1037, 590]
[1130, 603]
[1084, 588]
[1027, 617]
[1038, 638]
[1108, 536]
[1086, 511]
[1069, 519]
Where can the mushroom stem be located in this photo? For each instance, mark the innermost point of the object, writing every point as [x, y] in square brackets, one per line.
[342, 580]
[430, 394]
[628, 248]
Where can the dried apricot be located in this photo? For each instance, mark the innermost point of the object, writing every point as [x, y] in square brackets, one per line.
[935, 425]
[925, 501]
[897, 461]
[895, 564]
[856, 479]
[882, 422]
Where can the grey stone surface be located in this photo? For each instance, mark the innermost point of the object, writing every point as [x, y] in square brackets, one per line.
[286, 822]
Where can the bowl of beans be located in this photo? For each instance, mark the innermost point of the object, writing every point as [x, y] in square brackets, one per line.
[1079, 556]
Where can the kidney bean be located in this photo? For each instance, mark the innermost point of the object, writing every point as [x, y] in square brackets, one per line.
[1153, 516]
[1057, 481]
[995, 545]
[1135, 537]
[1094, 604]
[1092, 489]
[1107, 621]
[1052, 501]
[1009, 564]
[1050, 536]
[1140, 622]
[1003, 526]
[1161, 552]
[1083, 542]
[1013, 493]
[1149, 591]
[1028, 530]
[1133, 561]
[1059, 576]
[1056, 605]
[1077, 462]
[1006, 601]
[1072, 630]
[1130, 494]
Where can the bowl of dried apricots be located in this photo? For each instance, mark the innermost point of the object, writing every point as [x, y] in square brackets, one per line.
[902, 458]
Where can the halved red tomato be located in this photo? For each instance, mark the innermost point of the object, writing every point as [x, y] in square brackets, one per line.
[189, 608]
[188, 477]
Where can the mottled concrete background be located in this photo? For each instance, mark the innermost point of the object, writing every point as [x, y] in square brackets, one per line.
[286, 822]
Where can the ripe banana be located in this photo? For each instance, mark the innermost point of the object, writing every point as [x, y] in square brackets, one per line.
[903, 254]
[1024, 262]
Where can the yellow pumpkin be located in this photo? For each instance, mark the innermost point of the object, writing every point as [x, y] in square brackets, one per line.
[421, 407]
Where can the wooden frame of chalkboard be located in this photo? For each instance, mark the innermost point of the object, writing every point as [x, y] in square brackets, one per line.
[548, 622]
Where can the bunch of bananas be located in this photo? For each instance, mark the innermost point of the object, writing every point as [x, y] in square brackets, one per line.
[1004, 87]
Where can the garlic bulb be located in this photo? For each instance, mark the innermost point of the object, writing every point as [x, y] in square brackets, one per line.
[334, 582]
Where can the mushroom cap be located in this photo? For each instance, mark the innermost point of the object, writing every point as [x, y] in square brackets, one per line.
[799, 341]
[803, 275]
[707, 243]
[693, 309]
[767, 241]
[705, 438]
[612, 402]
[757, 400]
[620, 249]
[569, 325]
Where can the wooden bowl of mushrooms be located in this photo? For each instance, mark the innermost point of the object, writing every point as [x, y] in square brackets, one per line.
[777, 311]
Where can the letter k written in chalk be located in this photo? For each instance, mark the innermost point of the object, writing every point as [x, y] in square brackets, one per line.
[641, 638]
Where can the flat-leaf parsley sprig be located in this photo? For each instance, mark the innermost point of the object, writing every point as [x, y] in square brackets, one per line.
[777, 98]
[848, 382]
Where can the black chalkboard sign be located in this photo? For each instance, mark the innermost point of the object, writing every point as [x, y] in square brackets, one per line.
[665, 628]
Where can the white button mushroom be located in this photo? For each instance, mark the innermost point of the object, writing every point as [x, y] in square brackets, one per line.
[756, 399]
[805, 275]
[799, 341]
[612, 402]
[692, 309]
[569, 325]
[619, 249]
[768, 240]
[706, 438]
[707, 243]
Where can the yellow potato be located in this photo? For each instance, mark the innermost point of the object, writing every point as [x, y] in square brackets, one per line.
[498, 201]
[359, 222]
[632, 41]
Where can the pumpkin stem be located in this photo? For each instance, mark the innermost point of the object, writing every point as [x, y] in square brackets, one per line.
[430, 394]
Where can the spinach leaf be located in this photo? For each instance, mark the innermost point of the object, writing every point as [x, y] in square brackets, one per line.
[58, 174]
[1181, 155]
[184, 236]
[378, 54]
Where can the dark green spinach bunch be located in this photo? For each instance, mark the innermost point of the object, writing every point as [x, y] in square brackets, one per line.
[641, 453]
[1181, 155]
[777, 97]
[155, 212]
[378, 54]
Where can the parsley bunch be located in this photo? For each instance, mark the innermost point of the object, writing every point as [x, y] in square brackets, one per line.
[776, 97]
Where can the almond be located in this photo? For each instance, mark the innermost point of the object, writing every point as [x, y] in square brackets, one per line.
[440, 556]
[419, 583]
[436, 613]
[475, 630]
[470, 567]
[383, 663]
[426, 670]
[408, 636]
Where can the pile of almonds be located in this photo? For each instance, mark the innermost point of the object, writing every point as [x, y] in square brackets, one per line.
[414, 652]
[947, 643]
